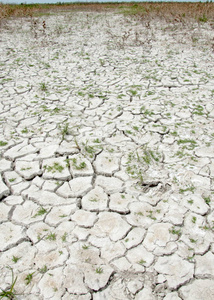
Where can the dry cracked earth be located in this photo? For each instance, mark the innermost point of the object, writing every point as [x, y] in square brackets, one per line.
[106, 158]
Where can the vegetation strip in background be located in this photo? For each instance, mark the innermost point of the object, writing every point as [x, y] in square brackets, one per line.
[171, 11]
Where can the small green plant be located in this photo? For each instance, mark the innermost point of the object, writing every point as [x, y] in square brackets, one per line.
[64, 237]
[133, 92]
[188, 189]
[190, 201]
[191, 144]
[85, 247]
[139, 213]
[203, 18]
[207, 200]
[90, 150]
[142, 262]
[198, 110]
[40, 212]
[2, 144]
[63, 216]
[51, 237]
[25, 130]
[56, 167]
[192, 240]
[194, 219]
[94, 200]
[43, 87]
[150, 215]
[99, 270]
[77, 144]
[15, 259]
[81, 165]
[12, 179]
[175, 231]
[43, 270]
[190, 258]
[25, 169]
[29, 278]
[97, 141]
[64, 130]
[9, 293]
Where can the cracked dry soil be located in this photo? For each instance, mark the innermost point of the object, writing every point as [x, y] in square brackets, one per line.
[107, 158]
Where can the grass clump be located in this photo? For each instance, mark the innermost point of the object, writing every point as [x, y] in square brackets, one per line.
[29, 278]
[9, 293]
[2, 144]
[51, 237]
[40, 212]
[82, 165]
[56, 167]
[139, 160]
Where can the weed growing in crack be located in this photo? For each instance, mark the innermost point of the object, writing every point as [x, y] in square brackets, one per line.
[9, 293]
[91, 150]
[43, 270]
[207, 200]
[77, 144]
[64, 130]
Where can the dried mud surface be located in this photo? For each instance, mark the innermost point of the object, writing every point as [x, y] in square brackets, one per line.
[106, 158]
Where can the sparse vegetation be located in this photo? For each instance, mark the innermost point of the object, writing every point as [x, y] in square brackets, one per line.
[9, 293]
[99, 270]
[139, 160]
[15, 259]
[43, 270]
[29, 278]
[56, 167]
[78, 166]
[2, 144]
[51, 237]
[40, 212]
[178, 12]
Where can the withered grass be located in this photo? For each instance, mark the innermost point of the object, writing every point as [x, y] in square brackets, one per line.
[170, 11]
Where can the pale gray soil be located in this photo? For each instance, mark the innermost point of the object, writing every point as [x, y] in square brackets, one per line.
[107, 158]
